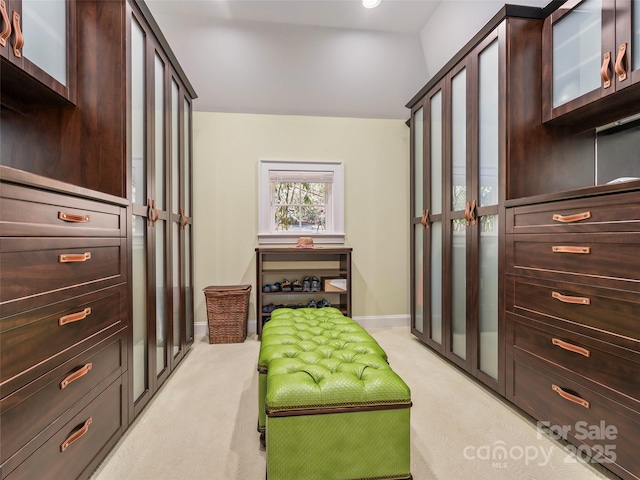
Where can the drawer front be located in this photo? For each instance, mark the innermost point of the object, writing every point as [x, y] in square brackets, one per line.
[32, 267]
[26, 412]
[605, 427]
[29, 212]
[603, 260]
[613, 213]
[571, 306]
[602, 363]
[101, 420]
[34, 342]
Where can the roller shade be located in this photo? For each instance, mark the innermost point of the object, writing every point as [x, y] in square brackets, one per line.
[300, 177]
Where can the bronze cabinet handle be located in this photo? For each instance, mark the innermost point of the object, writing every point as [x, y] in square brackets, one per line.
[183, 219]
[473, 213]
[73, 218]
[467, 212]
[571, 218]
[604, 71]
[426, 221]
[621, 64]
[6, 31]
[568, 299]
[74, 317]
[570, 397]
[19, 41]
[74, 257]
[571, 347]
[566, 249]
[75, 375]
[77, 435]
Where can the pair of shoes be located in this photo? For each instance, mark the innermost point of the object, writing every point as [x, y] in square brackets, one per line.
[269, 308]
[297, 287]
[324, 303]
[271, 288]
[306, 284]
[315, 284]
[285, 285]
[312, 304]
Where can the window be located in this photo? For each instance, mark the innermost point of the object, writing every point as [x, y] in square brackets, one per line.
[300, 199]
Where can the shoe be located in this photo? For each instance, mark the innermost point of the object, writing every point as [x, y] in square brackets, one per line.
[324, 303]
[312, 304]
[275, 287]
[268, 308]
[306, 284]
[315, 284]
[285, 285]
[267, 289]
[296, 286]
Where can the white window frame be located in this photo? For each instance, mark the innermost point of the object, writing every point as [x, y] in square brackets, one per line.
[334, 232]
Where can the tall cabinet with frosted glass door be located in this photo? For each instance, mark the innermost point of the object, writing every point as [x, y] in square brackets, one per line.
[460, 125]
[159, 146]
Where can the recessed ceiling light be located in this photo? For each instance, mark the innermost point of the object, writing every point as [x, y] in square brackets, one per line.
[370, 3]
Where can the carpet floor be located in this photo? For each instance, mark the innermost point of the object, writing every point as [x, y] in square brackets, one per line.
[202, 423]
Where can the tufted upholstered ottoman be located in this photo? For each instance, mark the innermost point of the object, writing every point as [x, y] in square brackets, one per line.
[302, 333]
[334, 408]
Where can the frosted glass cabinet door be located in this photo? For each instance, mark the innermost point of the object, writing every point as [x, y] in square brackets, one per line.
[44, 26]
[577, 44]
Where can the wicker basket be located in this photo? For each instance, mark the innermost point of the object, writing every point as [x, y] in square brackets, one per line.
[227, 311]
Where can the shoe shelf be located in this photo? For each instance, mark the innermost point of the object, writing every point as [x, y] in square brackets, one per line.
[277, 264]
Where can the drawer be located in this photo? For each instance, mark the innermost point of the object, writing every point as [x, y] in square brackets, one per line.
[33, 267]
[612, 213]
[613, 367]
[34, 342]
[95, 428]
[28, 212]
[591, 310]
[599, 426]
[605, 259]
[26, 412]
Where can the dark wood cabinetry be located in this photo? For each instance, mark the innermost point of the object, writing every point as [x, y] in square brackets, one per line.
[63, 324]
[573, 304]
[274, 264]
[590, 51]
[96, 221]
[38, 51]
[467, 125]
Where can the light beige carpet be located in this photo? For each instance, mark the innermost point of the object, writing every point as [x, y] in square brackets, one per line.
[202, 424]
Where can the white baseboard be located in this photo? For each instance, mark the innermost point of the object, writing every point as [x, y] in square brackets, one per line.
[372, 321]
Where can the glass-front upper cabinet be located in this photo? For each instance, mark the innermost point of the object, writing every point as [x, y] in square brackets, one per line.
[38, 37]
[589, 53]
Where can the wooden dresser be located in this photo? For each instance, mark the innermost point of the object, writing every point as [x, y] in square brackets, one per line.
[573, 321]
[63, 326]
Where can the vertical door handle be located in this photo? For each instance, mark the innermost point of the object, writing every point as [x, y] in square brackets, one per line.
[426, 221]
[605, 71]
[621, 64]
[19, 41]
[183, 219]
[6, 31]
[467, 213]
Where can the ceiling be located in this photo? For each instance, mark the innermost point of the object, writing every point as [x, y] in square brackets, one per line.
[299, 57]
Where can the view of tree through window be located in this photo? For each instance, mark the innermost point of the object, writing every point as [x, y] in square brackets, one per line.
[299, 206]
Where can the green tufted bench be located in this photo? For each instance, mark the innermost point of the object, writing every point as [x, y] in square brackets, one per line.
[333, 408]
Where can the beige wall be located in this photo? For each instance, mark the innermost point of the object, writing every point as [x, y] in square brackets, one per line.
[375, 153]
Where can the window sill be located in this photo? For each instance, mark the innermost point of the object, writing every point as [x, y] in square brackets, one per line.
[274, 238]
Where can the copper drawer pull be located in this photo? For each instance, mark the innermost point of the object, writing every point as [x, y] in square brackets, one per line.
[74, 257]
[74, 317]
[72, 218]
[76, 375]
[568, 299]
[568, 396]
[621, 67]
[6, 32]
[570, 347]
[565, 249]
[76, 436]
[571, 218]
